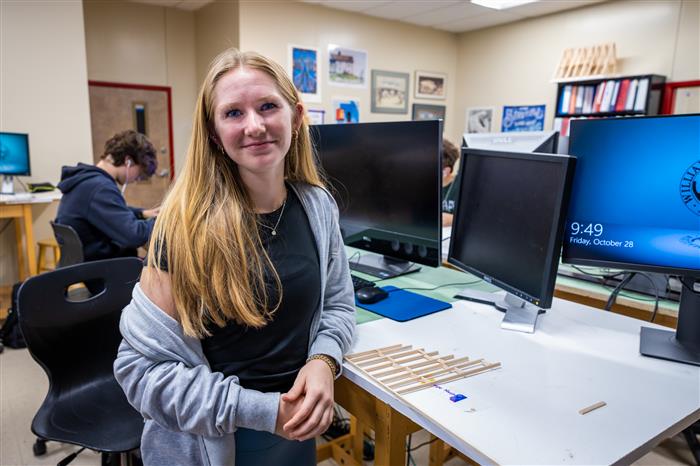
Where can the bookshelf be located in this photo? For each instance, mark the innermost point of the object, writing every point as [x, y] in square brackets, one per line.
[607, 97]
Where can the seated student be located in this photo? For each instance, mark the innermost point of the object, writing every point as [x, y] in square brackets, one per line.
[94, 206]
[450, 182]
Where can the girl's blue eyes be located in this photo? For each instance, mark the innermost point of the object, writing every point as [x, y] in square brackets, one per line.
[236, 113]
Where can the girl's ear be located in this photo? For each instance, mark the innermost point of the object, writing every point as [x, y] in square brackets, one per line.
[298, 117]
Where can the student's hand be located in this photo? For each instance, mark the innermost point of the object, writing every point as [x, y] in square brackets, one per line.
[150, 213]
[286, 410]
[314, 385]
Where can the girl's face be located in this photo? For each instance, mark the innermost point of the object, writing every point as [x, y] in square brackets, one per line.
[253, 122]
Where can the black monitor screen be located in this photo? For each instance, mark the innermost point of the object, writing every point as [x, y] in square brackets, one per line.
[386, 178]
[509, 220]
[14, 154]
[636, 194]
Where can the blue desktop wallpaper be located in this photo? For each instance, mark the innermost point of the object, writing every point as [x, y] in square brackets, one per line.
[636, 193]
[14, 154]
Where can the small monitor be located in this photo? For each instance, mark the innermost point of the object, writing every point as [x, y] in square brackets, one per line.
[386, 179]
[521, 141]
[636, 206]
[14, 159]
[508, 227]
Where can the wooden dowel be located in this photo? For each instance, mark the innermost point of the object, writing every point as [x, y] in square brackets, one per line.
[390, 358]
[592, 407]
[467, 374]
[376, 352]
[451, 363]
[396, 362]
[426, 378]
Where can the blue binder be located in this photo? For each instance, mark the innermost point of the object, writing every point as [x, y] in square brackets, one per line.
[402, 305]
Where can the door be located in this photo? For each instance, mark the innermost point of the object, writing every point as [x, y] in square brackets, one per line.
[116, 107]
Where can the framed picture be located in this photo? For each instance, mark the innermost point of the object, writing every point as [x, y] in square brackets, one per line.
[428, 112]
[316, 117]
[347, 67]
[347, 110]
[389, 92]
[479, 119]
[523, 118]
[430, 85]
[304, 68]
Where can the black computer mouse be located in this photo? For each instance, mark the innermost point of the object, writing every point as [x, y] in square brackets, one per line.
[370, 295]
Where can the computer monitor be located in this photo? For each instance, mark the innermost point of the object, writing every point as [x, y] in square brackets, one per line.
[386, 179]
[636, 206]
[521, 141]
[14, 159]
[508, 226]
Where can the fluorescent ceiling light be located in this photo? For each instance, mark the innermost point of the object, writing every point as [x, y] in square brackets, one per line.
[501, 4]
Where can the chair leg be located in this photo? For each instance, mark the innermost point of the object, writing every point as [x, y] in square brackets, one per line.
[39, 447]
[692, 439]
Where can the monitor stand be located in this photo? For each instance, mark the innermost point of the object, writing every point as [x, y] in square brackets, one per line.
[521, 316]
[383, 266]
[683, 345]
[8, 185]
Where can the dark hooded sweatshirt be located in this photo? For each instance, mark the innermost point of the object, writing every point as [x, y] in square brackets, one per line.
[93, 205]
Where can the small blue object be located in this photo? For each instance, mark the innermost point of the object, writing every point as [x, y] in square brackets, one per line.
[402, 305]
[457, 397]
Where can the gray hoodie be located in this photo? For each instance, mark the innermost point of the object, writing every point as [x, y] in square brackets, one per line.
[191, 412]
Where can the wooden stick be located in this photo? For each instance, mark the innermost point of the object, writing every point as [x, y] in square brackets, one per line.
[453, 363]
[396, 362]
[465, 375]
[385, 350]
[428, 378]
[414, 366]
[592, 407]
[390, 358]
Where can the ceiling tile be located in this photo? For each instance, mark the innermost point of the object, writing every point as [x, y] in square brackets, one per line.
[492, 18]
[348, 5]
[404, 9]
[448, 14]
[551, 6]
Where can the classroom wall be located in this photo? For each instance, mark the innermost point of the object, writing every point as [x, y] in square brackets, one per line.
[144, 44]
[268, 27]
[217, 29]
[43, 92]
[513, 64]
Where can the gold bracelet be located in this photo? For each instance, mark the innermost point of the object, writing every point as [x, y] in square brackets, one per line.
[328, 360]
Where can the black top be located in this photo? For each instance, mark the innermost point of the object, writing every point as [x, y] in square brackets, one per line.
[268, 359]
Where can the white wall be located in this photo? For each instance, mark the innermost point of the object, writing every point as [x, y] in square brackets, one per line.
[217, 29]
[43, 92]
[513, 64]
[144, 44]
[268, 27]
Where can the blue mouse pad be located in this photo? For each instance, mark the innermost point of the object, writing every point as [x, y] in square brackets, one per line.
[402, 305]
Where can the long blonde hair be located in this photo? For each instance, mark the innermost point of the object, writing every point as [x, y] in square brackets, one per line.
[207, 228]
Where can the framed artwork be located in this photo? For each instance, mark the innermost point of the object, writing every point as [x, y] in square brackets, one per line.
[523, 118]
[389, 92]
[479, 119]
[316, 117]
[347, 110]
[428, 112]
[430, 85]
[347, 67]
[304, 68]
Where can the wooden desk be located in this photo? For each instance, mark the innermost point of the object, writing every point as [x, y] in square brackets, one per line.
[21, 212]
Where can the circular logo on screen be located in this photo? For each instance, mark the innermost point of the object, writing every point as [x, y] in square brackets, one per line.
[690, 188]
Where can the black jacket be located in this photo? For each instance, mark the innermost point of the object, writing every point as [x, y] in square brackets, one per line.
[93, 205]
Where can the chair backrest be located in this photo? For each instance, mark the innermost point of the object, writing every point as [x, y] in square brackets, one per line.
[76, 340]
[69, 243]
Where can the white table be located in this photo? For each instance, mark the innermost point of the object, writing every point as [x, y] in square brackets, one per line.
[527, 412]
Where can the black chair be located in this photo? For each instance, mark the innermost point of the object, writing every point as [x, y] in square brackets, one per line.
[75, 341]
[69, 243]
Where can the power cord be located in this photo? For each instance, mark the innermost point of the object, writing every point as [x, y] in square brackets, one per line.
[618, 288]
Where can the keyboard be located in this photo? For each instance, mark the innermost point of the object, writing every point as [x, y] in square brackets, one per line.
[358, 282]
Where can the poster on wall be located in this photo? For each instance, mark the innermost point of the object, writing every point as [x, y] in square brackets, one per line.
[347, 67]
[430, 85]
[389, 92]
[304, 68]
[316, 117]
[523, 118]
[428, 112]
[346, 110]
[479, 119]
